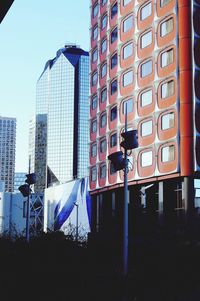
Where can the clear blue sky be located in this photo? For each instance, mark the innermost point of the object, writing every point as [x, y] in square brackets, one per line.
[30, 34]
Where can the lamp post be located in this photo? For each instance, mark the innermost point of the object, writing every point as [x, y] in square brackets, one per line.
[119, 162]
[26, 192]
[126, 201]
[76, 221]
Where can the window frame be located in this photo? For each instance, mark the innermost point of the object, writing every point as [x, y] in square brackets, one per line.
[116, 12]
[123, 53]
[141, 129]
[112, 66]
[92, 102]
[94, 154]
[103, 120]
[92, 126]
[129, 17]
[111, 86]
[164, 147]
[101, 93]
[141, 68]
[102, 21]
[162, 64]
[104, 68]
[111, 140]
[114, 38]
[103, 145]
[141, 155]
[144, 92]
[142, 9]
[123, 78]
[102, 171]
[123, 106]
[113, 109]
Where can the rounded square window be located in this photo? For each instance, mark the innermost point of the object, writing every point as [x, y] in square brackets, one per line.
[113, 87]
[113, 61]
[94, 102]
[128, 78]
[94, 79]
[112, 169]
[95, 10]
[146, 68]
[167, 121]
[94, 174]
[94, 150]
[104, 21]
[95, 32]
[166, 27]
[146, 158]
[103, 46]
[103, 95]
[103, 70]
[102, 171]
[114, 35]
[168, 153]
[103, 2]
[128, 50]
[128, 106]
[103, 120]
[164, 2]
[113, 140]
[146, 98]
[167, 89]
[146, 128]
[94, 126]
[94, 56]
[146, 11]
[126, 2]
[113, 113]
[103, 146]
[114, 10]
[167, 58]
[128, 23]
[146, 39]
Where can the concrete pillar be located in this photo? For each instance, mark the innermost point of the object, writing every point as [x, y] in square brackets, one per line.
[189, 195]
[169, 203]
[160, 203]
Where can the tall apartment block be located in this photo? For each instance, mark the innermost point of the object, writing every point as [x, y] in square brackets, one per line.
[7, 151]
[145, 55]
[61, 147]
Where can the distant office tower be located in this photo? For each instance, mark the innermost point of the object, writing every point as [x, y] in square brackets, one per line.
[38, 149]
[7, 151]
[62, 104]
[19, 180]
[145, 54]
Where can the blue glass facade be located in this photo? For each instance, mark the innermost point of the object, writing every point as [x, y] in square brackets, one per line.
[62, 94]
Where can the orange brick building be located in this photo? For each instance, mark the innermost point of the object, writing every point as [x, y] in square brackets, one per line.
[145, 54]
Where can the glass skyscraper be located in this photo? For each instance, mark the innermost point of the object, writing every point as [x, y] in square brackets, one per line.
[62, 96]
[7, 151]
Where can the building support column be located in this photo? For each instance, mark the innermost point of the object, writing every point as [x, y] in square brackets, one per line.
[160, 203]
[189, 194]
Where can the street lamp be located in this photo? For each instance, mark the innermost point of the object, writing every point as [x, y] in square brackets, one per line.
[26, 191]
[121, 162]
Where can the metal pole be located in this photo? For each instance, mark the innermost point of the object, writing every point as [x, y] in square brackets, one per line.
[28, 206]
[76, 221]
[125, 219]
